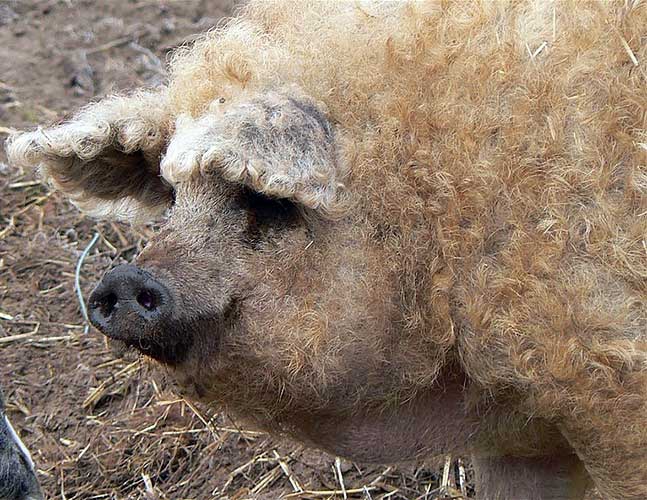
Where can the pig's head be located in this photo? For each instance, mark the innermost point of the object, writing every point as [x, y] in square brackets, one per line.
[269, 289]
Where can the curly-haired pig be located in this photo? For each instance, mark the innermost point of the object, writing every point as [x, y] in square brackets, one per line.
[393, 230]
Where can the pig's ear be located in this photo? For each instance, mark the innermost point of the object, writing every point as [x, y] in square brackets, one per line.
[106, 158]
[277, 143]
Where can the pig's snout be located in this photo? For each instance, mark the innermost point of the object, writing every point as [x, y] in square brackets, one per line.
[128, 303]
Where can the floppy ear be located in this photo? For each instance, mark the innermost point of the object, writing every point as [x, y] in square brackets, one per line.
[277, 143]
[106, 158]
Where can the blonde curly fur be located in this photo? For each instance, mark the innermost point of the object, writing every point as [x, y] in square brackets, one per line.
[498, 152]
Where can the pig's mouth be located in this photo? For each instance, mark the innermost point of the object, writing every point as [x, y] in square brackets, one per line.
[173, 342]
[168, 345]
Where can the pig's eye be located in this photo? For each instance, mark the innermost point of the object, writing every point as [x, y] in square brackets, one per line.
[269, 211]
[266, 216]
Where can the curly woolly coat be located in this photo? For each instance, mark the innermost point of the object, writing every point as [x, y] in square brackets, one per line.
[497, 154]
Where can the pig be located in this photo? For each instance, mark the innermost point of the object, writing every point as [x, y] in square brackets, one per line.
[17, 472]
[392, 230]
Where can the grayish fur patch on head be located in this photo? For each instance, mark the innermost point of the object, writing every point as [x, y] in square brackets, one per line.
[106, 158]
[278, 143]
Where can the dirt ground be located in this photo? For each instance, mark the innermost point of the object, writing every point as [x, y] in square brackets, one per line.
[98, 425]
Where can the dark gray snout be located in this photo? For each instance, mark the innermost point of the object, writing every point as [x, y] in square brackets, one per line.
[129, 302]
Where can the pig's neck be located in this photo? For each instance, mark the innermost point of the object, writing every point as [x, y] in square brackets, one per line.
[434, 423]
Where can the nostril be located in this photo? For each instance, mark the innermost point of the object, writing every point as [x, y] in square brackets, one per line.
[108, 303]
[147, 299]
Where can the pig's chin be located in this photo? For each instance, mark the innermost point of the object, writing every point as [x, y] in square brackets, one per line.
[120, 349]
